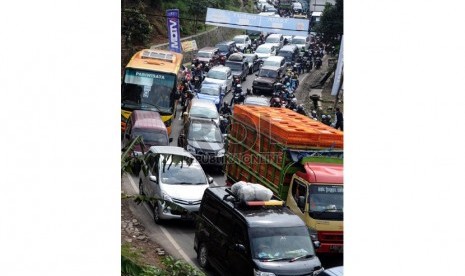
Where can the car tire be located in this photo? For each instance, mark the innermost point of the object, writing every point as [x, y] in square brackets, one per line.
[156, 213]
[141, 189]
[202, 256]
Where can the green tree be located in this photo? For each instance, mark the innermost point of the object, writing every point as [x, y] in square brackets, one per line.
[135, 26]
[331, 25]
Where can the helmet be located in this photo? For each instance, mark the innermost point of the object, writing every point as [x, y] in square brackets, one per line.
[313, 112]
[300, 107]
[329, 116]
[239, 85]
[294, 100]
[323, 116]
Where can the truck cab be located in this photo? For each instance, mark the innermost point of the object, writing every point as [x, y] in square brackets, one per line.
[316, 196]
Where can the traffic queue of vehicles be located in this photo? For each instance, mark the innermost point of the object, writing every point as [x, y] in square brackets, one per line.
[276, 148]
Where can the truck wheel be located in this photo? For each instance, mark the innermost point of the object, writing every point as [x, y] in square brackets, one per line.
[202, 256]
[156, 213]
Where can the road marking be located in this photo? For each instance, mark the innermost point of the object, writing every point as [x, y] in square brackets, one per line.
[163, 229]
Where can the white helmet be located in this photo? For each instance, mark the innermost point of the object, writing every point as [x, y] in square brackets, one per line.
[329, 116]
[323, 116]
[294, 100]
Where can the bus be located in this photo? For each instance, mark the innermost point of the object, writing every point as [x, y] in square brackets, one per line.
[149, 83]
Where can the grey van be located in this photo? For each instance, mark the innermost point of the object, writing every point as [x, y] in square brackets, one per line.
[290, 53]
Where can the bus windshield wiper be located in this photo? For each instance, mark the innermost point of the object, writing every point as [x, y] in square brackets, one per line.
[276, 259]
[151, 104]
[306, 256]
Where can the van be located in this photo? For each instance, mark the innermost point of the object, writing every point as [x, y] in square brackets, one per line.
[150, 126]
[275, 39]
[252, 238]
[290, 53]
[226, 48]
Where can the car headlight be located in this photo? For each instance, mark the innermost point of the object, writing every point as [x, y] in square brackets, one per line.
[190, 149]
[166, 197]
[261, 273]
[221, 152]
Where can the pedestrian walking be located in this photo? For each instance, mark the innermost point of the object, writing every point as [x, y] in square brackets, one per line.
[339, 122]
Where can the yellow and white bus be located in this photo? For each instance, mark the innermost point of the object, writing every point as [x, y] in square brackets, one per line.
[149, 83]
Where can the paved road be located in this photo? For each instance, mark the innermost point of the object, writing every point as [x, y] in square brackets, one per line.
[177, 237]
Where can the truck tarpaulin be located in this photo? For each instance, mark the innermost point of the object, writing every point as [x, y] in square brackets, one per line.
[173, 30]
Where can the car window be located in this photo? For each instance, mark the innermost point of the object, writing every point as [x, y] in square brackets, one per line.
[177, 169]
[219, 75]
[204, 133]
[203, 112]
[153, 137]
[208, 90]
[268, 73]
[154, 167]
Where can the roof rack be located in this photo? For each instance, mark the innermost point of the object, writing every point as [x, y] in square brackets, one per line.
[252, 203]
[151, 54]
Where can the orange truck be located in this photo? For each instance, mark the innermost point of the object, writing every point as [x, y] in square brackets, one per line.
[299, 159]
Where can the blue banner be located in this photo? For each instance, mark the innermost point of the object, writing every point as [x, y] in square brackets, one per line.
[255, 22]
[173, 30]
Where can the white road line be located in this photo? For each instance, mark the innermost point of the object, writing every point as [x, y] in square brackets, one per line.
[167, 234]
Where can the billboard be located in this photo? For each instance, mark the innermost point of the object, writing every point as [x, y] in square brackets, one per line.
[174, 37]
[255, 22]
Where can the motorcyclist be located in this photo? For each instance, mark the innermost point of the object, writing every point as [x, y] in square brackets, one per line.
[225, 109]
[326, 119]
[301, 110]
[314, 115]
[238, 91]
[292, 104]
[195, 62]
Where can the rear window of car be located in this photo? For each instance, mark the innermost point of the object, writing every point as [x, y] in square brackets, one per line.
[219, 75]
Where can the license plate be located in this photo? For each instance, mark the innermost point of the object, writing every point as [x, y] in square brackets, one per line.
[336, 248]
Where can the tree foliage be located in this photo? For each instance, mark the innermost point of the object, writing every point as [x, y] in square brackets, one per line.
[135, 26]
[331, 25]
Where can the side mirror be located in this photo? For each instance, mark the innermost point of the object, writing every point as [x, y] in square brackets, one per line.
[301, 202]
[170, 140]
[153, 178]
[240, 248]
[316, 244]
[210, 180]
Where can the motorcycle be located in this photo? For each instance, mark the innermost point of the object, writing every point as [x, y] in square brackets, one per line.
[239, 97]
[236, 81]
[223, 59]
[224, 123]
[318, 63]
[275, 101]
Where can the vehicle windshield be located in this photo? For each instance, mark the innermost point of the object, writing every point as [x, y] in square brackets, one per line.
[326, 201]
[203, 112]
[265, 73]
[263, 50]
[280, 243]
[223, 48]
[298, 41]
[287, 55]
[154, 138]
[239, 40]
[272, 39]
[208, 90]
[204, 133]
[148, 90]
[271, 63]
[219, 75]
[177, 169]
[234, 66]
[204, 54]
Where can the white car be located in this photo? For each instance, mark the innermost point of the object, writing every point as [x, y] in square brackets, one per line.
[276, 40]
[303, 42]
[174, 175]
[242, 41]
[265, 50]
[220, 74]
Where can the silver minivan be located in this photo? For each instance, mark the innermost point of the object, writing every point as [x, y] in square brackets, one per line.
[175, 176]
[220, 74]
[275, 39]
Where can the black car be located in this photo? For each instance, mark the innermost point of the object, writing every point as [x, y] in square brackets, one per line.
[254, 62]
[204, 140]
[239, 65]
[267, 77]
[237, 239]
[226, 48]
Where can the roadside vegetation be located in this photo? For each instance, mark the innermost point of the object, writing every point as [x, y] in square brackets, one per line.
[132, 263]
